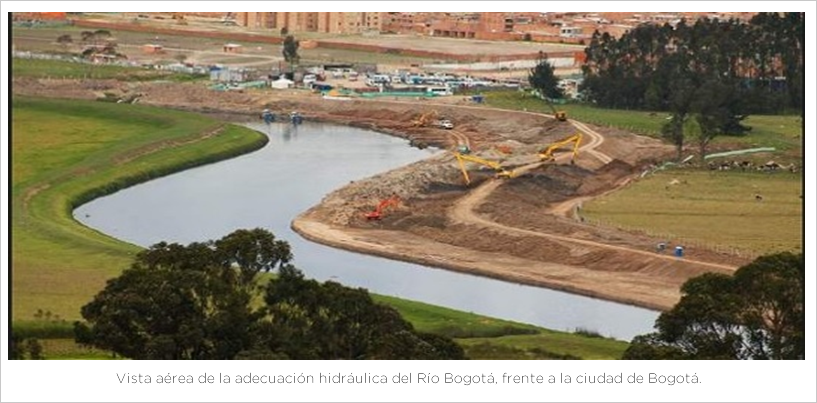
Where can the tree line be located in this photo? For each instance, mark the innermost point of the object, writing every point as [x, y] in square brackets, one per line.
[709, 75]
[209, 300]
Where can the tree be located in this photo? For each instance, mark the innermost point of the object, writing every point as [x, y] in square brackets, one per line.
[24, 348]
[291, 50]
[182, 302]
[542, 78]
[252, 251]
[196, 302]
[310, 320]
[65, 40]
[759, 313]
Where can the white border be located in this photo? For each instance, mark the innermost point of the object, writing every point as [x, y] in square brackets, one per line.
[96, 381]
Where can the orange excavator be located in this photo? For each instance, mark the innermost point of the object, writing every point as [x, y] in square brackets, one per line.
[381, 207]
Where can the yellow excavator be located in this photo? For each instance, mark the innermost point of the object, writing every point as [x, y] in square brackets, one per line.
[559, 115]
[547, 153]
[425, 119]
[500, 172]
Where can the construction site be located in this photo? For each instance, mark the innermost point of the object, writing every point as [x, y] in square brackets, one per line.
[502, 198]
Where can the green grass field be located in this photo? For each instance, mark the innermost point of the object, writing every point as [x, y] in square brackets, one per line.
[68, 152]
[781, 132]
[483, 337]
[714, 208]
[452, 323]
[37, 68]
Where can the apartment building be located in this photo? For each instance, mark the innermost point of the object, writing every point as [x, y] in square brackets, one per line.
[327, 22]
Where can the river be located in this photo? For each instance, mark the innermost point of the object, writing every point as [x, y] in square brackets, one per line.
[269, 187]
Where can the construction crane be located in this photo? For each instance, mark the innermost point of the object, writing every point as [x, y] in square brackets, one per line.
[377, 214]
[547, 153]
[500, 172]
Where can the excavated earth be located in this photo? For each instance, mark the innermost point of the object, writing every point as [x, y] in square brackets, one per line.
[524, 229]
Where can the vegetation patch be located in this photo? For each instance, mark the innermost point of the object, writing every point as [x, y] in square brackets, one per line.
[62, 69]
[64, 153]
[545, 345]
[752, 212]
[453, 323]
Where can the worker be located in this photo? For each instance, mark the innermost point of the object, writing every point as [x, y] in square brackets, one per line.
[661, 247]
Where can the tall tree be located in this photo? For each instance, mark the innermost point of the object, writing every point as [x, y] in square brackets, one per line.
[759, 313]
[542, 78]
[290, 51]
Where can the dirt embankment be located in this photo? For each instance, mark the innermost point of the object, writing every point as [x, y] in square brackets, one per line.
[521, 229]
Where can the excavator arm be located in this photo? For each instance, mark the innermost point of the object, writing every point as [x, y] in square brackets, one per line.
[500, 171]
[547, 153]
[425, 119]
[381, 207]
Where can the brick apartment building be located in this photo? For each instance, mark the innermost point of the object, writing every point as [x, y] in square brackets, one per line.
[563, 27]
[327, 22]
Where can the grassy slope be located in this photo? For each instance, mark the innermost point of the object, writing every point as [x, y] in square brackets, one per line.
[67, 151]
[489, 338]
[715, 208]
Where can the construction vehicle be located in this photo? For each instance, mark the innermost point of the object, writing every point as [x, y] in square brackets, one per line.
[500, 171]
[559, 115]
[445, 124]
[547, 153]
[425, 119]
[377, 214]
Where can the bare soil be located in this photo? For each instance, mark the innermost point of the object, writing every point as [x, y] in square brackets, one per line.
[523, 229]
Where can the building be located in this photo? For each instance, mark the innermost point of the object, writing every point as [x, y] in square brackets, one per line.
[327, 22]
[231, 48]
[562, 27]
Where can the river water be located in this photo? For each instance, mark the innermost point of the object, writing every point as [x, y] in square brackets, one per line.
[300, 165]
